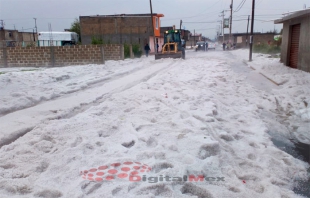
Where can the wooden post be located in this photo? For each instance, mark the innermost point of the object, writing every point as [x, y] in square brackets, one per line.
[131, 52]
[52, 53]
[102, 54]
[122, 55]
[4, 53]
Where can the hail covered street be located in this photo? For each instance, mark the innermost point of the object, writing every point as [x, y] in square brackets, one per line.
[199, 127]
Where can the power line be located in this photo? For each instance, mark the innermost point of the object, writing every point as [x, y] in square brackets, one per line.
[240, 6]
[203, 22]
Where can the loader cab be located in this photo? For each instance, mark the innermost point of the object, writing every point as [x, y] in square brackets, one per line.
[173, 36]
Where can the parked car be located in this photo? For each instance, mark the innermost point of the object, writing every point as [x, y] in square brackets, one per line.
[212, 46]
[201, 45]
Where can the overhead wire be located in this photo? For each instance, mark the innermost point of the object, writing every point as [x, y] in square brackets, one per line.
[240, 6]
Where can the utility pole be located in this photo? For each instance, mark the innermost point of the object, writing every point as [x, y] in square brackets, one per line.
[222, 25]
[181, 24]
[252, 28]
[34, 37]
[2, 24]
[231, 12]
[194, 38]
[153, 26]
[247, 32]
[35, 23]
[23, 34]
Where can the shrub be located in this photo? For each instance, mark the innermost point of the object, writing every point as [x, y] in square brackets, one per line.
[136, 50]
[127, 50]
[96, 41]
[266, 49]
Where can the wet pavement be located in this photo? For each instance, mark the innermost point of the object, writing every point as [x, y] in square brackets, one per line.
[300, 151]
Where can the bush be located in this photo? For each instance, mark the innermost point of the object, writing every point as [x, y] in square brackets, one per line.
[266, 49]
[96, 41]
[136, 50]
[127, 50]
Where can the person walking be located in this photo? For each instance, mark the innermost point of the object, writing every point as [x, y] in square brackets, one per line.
[147, 49]
[157, 46]
[224, 46]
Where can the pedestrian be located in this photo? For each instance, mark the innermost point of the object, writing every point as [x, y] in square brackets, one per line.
[224, 46]
[234, 46]
[147, 49]
[157, 46]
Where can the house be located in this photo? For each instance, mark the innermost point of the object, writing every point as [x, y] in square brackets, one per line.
[193, 39]
[242, 39]
[295, 50]
[122, 28]
[16, 36]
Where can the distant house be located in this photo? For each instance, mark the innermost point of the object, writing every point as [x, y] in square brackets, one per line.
[193, 39]
[295, 51]
[122, 28]
[15, 35]
[242, 39]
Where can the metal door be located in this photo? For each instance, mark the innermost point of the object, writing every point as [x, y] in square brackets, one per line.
[294, 46]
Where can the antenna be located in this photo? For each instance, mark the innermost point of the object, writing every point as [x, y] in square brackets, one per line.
[51, 34]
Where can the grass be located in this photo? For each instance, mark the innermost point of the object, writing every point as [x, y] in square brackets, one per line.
[24, 70]
[2, 73]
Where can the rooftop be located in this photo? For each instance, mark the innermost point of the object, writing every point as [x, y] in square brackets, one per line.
[127, 15]
[296, 14]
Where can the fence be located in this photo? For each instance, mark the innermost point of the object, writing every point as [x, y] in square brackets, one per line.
[23, 54]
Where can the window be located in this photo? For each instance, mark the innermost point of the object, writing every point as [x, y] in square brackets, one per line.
[156, 22]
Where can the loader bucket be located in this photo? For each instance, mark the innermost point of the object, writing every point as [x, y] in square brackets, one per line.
[169, 55]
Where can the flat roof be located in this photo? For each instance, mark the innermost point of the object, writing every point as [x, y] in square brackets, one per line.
[294, 15]
[127, 15]
[254, 33]
[55, 32]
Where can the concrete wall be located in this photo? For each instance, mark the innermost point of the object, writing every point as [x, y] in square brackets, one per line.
[304, 43]
[59, 56]
[258, 39]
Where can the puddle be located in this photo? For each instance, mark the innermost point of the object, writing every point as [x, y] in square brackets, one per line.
[300, 151]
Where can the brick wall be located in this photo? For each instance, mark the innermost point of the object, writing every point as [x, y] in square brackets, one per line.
[59, 56]
[132, 30]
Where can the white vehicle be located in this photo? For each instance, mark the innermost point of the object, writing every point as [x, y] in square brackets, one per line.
[58, 38]
[211, 46]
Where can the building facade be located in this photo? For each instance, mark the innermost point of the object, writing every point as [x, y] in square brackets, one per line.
[15, 35]
[295, 50]
[121, 29]
[242, 39]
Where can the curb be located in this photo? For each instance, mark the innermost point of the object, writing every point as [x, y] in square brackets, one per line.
[274, 82]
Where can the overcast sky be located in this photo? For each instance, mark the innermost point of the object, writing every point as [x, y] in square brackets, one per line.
[61, 13]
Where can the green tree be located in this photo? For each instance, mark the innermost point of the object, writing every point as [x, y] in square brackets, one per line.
[75, 27]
